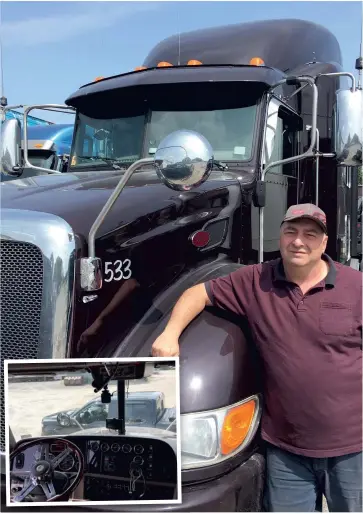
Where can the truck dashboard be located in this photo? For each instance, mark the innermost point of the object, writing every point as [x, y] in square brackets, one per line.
[92, 468]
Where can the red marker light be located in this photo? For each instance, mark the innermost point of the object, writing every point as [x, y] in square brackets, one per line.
[200, 238]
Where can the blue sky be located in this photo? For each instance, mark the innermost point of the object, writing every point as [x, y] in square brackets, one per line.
[52, 48]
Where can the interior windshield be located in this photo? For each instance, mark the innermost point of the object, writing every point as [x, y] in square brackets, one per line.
[63, 404]
[124, 139]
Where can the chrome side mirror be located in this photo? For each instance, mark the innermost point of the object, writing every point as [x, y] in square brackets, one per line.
[183, 160]
[11, 148]
[347, 132]
[63, 419]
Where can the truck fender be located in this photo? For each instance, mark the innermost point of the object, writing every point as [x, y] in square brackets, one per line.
[219, 364]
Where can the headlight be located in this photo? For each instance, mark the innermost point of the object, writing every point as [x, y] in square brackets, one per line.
[214, 436]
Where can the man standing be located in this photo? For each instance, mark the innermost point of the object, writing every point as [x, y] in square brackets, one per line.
[305, 314]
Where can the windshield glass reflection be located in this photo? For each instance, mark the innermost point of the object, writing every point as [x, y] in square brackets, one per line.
[63, 404]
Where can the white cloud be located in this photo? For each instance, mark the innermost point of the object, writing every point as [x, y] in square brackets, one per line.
[52, 29]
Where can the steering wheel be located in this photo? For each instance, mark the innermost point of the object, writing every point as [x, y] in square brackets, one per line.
[43, 469]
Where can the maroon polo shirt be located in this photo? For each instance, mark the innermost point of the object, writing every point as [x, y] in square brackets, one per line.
[311, 350]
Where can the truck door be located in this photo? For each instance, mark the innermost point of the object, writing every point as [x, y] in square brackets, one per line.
[140, 413]
[281, 141]
[94, 415]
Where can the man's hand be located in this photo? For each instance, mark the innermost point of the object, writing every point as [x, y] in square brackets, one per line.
[89, 340]
[190, 304]
[166, 345]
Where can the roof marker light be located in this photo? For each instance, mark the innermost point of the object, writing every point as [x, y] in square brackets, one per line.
[194, 62]
[98, 78]
[140, 68]
[257, 61]
[163, 64]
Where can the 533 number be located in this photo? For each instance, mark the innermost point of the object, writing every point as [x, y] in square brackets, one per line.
[117, 270]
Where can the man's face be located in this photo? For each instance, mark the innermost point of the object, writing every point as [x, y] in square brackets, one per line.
[302, 242]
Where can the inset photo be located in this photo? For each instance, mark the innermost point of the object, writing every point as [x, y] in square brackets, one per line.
[92, 430]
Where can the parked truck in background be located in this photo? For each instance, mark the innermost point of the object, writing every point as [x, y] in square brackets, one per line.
[142, 409]
[90, 265]
[48, 147]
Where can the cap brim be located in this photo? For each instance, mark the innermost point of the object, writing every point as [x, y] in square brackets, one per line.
[307, 216]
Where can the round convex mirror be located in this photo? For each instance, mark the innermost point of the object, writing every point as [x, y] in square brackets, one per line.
[183, 160]
[63, 419]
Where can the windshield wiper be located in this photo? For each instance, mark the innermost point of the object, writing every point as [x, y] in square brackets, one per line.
[221, 165]
[107, 160]
[115, 163]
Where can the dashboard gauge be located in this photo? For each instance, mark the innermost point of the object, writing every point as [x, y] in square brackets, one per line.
[126, 448]
[67, 463]
[138, 460]
[57, 447]
[105, 447]
[95, 446]
[138, 449]
[115, 447]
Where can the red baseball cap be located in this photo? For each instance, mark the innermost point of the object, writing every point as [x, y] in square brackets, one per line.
[309, 211]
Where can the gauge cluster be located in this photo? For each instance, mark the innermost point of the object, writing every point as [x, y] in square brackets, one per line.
[116, 457]
[69, 464]
[130, 468]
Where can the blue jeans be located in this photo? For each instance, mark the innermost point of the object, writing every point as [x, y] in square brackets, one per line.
[295, 483]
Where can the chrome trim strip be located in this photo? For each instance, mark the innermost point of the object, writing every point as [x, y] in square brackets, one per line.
[56, 240]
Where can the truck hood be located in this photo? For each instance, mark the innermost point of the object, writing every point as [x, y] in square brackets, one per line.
[79, 197]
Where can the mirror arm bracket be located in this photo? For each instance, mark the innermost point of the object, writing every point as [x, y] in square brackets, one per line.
[309, 152]
[50, 107]
[110, 202]
[340, 74]
[91, 266]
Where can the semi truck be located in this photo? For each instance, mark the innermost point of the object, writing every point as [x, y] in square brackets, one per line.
[204, 147]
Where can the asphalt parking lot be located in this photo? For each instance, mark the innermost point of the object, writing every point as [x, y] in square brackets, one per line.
[29, 402]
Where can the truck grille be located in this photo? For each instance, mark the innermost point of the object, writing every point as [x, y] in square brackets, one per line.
[21, 286]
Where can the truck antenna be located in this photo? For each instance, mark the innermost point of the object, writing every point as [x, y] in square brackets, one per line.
[359, 61]
[3, 99]
[178, 16]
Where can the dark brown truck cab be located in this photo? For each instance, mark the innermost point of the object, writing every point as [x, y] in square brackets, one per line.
[284, 128]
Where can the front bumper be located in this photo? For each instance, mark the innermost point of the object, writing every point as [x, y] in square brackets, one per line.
[240, 490]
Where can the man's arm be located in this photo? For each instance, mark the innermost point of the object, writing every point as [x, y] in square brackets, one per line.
[228, 292]
[189, 305]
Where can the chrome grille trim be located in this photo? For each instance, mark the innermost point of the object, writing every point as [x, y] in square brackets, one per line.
[55, 239]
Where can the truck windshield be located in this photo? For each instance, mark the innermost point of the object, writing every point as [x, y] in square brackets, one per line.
[124, 140]
[57, 405]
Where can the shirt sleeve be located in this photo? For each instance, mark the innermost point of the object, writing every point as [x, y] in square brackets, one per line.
[231, 291]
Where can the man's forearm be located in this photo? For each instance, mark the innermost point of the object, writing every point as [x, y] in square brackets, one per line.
[189, 305]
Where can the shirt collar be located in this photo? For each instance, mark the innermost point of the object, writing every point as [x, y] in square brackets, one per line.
[279, 272]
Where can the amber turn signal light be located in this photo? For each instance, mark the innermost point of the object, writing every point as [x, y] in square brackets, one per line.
[236, 426]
